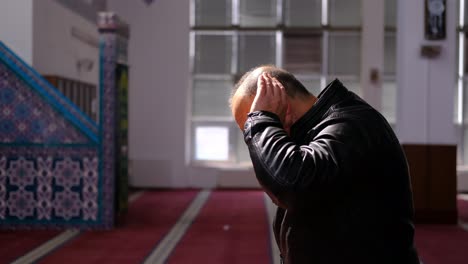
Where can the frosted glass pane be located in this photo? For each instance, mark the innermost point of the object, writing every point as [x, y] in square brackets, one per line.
[345, 13]
[390, 13]
[258, 13]
[353, 86]
[459, 139]
[243, 155]
[255, 50]
[466, 13]
[302, 13]
[389, 101]
[344, 56]
[455, 104]
[466, 49]
[210, 97]
[213, 12]
[465, 102]
[211, 143]
[465, 146]
[390, 54]
[303, 53]
[213, 53]
[312, 85]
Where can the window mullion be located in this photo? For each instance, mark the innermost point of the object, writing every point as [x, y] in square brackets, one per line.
[235, 53]
[279, 48]
[325, 57]
[235, 12]
[325, 12]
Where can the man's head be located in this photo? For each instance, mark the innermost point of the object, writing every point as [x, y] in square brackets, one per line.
[245, 90]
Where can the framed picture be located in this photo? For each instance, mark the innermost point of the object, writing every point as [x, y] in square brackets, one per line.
[435, 19]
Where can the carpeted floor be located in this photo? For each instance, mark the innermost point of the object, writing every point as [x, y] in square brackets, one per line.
[148, 220]
[15, 243]
[231, 228]
[442, 244]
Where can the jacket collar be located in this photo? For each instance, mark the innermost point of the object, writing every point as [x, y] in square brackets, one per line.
[329, 96]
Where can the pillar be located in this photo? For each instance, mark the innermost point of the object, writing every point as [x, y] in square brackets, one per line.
[425, 107]
[113, 59]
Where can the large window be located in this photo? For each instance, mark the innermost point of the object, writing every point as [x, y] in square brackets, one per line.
[317, 40]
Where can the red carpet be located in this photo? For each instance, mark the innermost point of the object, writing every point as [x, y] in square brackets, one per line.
[14, 244]
[442, 244]
[149, 218]
[462, 210]
[231, 228]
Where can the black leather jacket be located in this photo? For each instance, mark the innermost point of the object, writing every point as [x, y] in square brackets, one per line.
[341, 180]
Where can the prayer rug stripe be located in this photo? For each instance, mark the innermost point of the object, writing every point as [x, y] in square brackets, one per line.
[15, 243]
[271, 212]
[230, 229]
[148, 220]
[462, 197]
[134, 196]
[47, 247]
[53, 243]
[464, 226]
[165, 247]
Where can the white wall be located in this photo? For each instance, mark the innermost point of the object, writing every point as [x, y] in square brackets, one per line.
[56, 51]
[159, 79]
[16, 27]
[372, 50]
[426, 87]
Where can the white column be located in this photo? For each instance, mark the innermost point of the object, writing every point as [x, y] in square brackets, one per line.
[372, 51]
[425, 86]
[159, 77]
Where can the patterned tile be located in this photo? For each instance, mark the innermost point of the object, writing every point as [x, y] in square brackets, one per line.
[34, 77]
[26, 118]
[57, 184]
[108, 111]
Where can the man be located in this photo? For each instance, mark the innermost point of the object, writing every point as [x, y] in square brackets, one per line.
[333, 166]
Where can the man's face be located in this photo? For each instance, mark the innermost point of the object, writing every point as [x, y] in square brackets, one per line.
[241, 104]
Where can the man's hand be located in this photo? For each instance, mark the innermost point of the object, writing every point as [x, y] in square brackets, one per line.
[271, 96]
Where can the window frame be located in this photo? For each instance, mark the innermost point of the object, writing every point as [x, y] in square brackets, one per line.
[279, 29]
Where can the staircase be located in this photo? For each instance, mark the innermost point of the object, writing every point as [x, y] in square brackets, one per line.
[50, 154]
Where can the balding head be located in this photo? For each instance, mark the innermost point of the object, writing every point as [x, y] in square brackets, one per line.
[245, 90]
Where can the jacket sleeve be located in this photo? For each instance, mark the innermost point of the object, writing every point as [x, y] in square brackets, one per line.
[285, 169]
